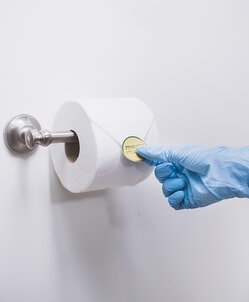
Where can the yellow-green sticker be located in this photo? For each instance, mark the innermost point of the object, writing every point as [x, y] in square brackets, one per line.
[129, 147]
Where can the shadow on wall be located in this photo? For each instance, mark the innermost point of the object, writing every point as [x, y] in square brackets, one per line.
[89, 242]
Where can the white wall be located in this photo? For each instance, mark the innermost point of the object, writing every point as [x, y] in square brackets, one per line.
[189, 61]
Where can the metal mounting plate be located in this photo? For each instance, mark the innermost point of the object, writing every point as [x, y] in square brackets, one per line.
[14, 132]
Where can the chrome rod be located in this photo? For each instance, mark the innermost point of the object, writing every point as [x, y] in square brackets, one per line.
[63, 137]
[45, 138]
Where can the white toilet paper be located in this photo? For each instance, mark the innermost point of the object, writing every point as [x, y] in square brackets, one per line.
[101, 126]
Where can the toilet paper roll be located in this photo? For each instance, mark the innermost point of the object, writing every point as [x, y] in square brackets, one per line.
[101, 126]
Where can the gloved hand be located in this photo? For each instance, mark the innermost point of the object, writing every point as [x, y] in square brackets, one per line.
[194, 176]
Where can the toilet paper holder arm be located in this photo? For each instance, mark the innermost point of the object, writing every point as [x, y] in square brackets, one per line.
[23, 134]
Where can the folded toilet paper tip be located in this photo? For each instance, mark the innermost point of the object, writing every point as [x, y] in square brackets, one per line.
[104, 127]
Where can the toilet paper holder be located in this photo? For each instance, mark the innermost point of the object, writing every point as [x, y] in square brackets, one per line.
[23, 134]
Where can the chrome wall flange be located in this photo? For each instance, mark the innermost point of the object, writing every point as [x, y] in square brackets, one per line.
[23, 134]
[15, 131]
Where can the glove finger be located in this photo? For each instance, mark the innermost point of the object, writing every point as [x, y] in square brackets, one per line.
[178, 167]
[175, 200]
[155, 155]
[172, 185]
[152, 162]
[163, 171]
[191, 157]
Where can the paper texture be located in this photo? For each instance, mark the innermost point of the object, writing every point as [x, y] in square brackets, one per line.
[101, 126]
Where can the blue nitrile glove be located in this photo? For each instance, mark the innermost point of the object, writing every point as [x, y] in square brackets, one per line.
[194, 176]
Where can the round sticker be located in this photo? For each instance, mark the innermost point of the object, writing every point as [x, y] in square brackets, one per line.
[129, 147]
